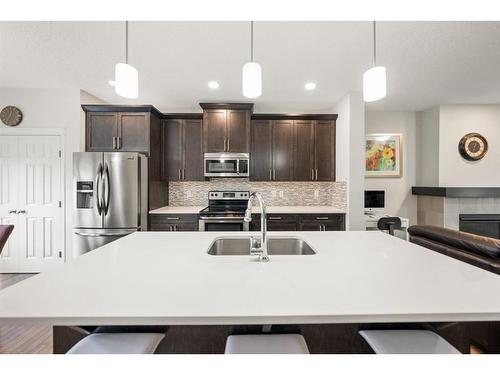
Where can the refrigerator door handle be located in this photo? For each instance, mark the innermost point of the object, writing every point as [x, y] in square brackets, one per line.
[107, 189]
[98, 179]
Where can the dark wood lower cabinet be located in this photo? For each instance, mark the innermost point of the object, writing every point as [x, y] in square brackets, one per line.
[173, 223]
[307, 222]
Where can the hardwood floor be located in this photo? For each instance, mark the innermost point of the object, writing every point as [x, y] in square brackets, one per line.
[23, 339]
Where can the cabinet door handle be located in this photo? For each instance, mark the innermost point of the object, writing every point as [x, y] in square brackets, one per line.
[22, 212]
[179, 174]
[12, 211]
[312, 174]
[228, 144]
[184, 174]
[270, 174]
[114, 143]
[274, 174]
[322, 218]
[173, 218]
[316, 174]
[119, 143]
[275, 218]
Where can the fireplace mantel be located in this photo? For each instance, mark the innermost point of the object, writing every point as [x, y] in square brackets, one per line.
[457, 192]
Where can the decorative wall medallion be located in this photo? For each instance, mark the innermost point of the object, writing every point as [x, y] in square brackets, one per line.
[473, 146]
[11, 116]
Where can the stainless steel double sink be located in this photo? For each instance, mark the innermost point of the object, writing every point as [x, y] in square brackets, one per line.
[275, 246]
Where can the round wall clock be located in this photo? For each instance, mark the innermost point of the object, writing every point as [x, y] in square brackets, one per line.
[11, 116]
[473, 146]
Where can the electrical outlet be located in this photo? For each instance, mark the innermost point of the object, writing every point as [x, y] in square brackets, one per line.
[316, 194]
[189, 194]
[281, 193]
[274, 193]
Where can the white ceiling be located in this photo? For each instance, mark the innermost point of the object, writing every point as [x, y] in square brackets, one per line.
[427, 63]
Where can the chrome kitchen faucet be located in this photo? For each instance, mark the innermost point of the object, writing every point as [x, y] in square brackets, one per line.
[262, 250]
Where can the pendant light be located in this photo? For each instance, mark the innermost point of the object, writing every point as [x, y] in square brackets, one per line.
[374, 79]
[252, 74]
[126, 76]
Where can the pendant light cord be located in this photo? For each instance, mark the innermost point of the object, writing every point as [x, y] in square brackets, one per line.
[251, 41]
[374, 44]
[126, 42]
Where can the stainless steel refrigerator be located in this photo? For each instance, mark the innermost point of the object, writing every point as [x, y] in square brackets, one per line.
[111, 197]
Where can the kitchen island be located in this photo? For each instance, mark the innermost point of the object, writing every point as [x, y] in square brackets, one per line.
[166, 278]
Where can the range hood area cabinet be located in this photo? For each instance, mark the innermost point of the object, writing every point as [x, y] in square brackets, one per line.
[293, 148]
[226, 127]
[182, 149]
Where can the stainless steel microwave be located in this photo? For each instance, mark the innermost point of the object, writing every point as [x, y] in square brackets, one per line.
[226, 164]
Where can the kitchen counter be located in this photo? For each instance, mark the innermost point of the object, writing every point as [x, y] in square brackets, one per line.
[256, 209]
[168, 278]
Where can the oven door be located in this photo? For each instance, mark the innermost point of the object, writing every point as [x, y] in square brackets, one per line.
[212, 224]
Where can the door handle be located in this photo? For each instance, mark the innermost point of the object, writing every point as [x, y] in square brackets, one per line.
[22, 212]
[12, 211]
[107, 189]
[98, 179]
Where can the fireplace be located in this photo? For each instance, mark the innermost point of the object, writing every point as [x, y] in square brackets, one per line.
[482, 224]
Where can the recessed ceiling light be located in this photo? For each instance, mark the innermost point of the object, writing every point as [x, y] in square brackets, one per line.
[310, 86]
[213, 85]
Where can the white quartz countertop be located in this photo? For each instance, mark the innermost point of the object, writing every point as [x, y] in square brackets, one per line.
[168, 278]
[270, 210]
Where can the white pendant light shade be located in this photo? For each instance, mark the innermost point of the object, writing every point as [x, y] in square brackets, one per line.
[252, 80]
[126, 81]
[374, 84]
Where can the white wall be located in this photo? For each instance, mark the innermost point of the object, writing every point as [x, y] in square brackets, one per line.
[454, 122]
[52, 108]
[399, 200]
[350, 136]
[428, 147]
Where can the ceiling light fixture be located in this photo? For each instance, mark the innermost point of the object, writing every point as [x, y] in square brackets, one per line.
[252, 74]
[213, 85]
[374, 79]
[126, 76]
[310, 86]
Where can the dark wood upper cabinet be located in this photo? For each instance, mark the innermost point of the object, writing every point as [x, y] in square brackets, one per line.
[324, 138]
[172, 150]
[101, 131]
[238, 131]
[214, 130]
[226, 127]
[182, 150]
[133, 132]
[282, 149]
[128, 130]
[261, 156]
[193, 150]
[303, 162]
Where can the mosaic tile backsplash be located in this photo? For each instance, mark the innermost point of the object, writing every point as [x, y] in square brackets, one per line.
[195, 193]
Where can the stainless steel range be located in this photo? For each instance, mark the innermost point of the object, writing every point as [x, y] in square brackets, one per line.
[225, 212]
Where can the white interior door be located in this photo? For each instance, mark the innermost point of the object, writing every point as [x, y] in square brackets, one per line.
[38, 239]
[9, 193]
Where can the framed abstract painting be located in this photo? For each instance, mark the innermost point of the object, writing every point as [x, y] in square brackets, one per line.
[383, 155]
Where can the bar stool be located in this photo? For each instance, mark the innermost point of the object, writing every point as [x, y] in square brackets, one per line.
[266, 344]
[389, 224]
[407, 342]
[120, 340]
